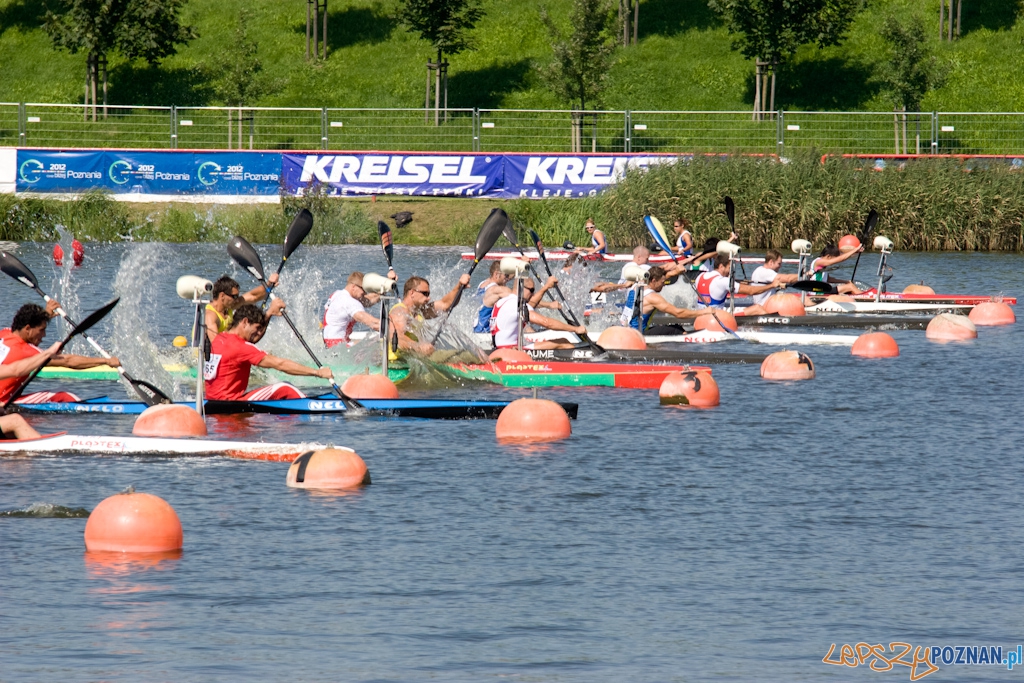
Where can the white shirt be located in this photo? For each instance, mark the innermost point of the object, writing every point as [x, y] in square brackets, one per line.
[338, 316]
[763, 275]
[715, 285]
[506, 322]
[622, 275]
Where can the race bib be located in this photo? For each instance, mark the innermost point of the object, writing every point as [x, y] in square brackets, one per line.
[4, 350]
[210, 367]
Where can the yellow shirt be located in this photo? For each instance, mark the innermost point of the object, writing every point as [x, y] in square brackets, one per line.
[223, 322]
[395, 354]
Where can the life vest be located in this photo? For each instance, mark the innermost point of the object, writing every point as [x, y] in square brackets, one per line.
[703, 287]
[594, 243]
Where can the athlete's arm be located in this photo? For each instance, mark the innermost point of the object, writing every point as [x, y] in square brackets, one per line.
[292, 368]
[371, 321]
[259, 293]
[212, 321]
[552, 324]
[399, 322]
[493, 294]
[826, 261]
[26, 366]
[445, 303]
[658, 302]
[749, 290]
[67, 360]
[538, 297]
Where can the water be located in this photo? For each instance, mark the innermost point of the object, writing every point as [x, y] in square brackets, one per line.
[879, 503]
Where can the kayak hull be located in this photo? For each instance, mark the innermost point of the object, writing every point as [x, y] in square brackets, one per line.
[555, 373]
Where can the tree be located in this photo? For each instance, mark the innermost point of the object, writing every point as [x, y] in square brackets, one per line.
[770, 31]
[910, 72]
[137, 29]
[445, 25]
[629, 19]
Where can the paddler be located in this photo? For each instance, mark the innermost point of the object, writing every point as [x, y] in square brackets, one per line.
[830, 256]
[416, 307]
[345, 308]
[225, 298]
[641, 256]
[713, 287]
[684, 238]
[234, 352]
[14, 425]
[494, 283]
[20, 341]
[769, 273]
[653, 301]
[598, 243]
[506, 321]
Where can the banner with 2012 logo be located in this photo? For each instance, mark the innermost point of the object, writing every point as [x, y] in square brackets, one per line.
[149, 173]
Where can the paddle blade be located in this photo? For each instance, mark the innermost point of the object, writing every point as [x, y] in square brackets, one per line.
[536, 240]
[244, 255]
[297, 231]
[384, 232]
[510, 234]
[12, 266]
[93, 318]
[869, 225]
[730, 211]
[657, 231]
[814, 286]
[490, 231]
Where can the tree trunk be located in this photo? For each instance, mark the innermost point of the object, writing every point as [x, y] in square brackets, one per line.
[309, 20]
[325, 30]
[624, 21]
[942, 23]
[959, 9]
[950, 23]
[757, 89]
[772, 107]
[636, 20]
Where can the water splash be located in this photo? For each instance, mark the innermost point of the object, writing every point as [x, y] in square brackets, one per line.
[65, 291]
[48, 511]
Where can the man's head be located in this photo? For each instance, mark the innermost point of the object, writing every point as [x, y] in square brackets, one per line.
[640, 255]
[30, 323]
[497, 277]
[225, 292]
[416, 292]
[354, 285]
[248, 322]
[656, 278]
[722, 263]
[773, 259]
[529, 287]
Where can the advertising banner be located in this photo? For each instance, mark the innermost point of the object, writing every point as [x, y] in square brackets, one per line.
[434, 175]
[536, 176]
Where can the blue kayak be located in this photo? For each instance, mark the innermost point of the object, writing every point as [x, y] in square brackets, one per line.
[326, 404]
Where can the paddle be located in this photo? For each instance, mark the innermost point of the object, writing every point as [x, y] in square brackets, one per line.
[489, 233]
[811, 286]
[297, 231]
[565, 310]
[869, 227]
[17, 270]
[244, 255]
[384, 232]
[81, 328]
[730, 212]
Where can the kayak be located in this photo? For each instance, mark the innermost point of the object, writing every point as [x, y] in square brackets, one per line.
[326, 404]
[562, 255]
[961, 299]
[838, 320]
[681, 355]
[555, 373]
[106, 372]
[829, 306]
[773, 338]
[62, 442]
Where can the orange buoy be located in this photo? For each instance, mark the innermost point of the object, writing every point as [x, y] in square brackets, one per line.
[509, 356]
[331, 468]
[708, 322]
[918, 289]
[787, 365]
[875, 345]
[77, 253]
[369, 386]
[692, 388]
[950, 327]
[785, 304]
[622, 338]
[169, 420]
[132, 522]
[841, 298]
[533, 419]
[848, 243]
[990, 313]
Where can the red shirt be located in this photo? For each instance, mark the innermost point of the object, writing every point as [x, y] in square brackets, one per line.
[227, 371]
[13, 348]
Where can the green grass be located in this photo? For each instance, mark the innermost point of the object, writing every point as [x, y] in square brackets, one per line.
[684, 60]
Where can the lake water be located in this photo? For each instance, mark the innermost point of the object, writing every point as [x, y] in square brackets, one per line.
[877, 503]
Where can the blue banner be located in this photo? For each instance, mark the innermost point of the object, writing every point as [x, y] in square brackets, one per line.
[149, 173]
[434, 175]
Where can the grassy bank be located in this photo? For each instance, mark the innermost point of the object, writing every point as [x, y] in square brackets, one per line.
[929, 205]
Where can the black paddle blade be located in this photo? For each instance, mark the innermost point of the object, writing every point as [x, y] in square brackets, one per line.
[490, 231]
[12, 266]
[91, 319]
[814, 286]
[730, 211]
[536, 240]
[297, 231]
[384, 231]
[510, 234]
[869, 225]
[245, 256]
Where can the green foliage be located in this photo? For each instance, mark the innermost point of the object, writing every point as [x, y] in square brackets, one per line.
[910, 73]
[580, 69]
[138, 29]
[442, 23]
[772, 30]
[242, 80]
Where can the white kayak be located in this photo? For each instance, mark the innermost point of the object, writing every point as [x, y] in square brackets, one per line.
[562, 255]
[881, 307]
[773, 338]
[62, 442]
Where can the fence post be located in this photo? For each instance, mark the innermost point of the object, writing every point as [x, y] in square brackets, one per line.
[935, 132]
[21, 123]
[627, 141]
[476, 129]
[174, 127]
[323, 128]
[780, 133]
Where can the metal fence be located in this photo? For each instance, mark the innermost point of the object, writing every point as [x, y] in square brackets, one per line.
[508, 130]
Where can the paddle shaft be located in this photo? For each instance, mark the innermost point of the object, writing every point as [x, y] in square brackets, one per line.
[567, 315]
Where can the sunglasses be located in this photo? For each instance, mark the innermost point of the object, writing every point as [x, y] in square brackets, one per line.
[420, 291]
